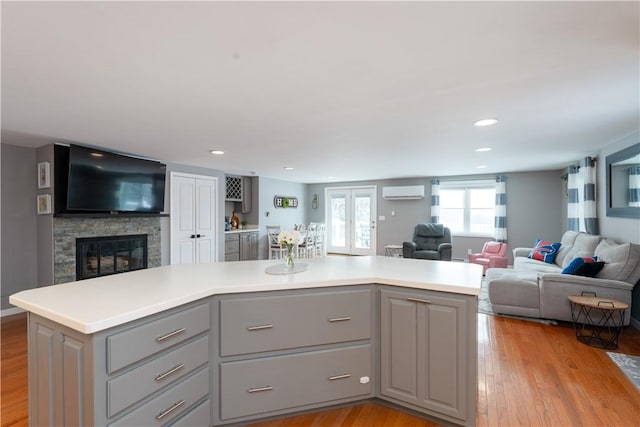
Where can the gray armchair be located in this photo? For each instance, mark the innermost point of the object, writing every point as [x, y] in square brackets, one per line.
[430, 241]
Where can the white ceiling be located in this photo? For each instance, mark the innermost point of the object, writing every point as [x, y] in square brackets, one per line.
[354, 91]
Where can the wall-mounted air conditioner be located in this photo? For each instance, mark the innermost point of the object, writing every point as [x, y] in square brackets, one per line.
[409, 192]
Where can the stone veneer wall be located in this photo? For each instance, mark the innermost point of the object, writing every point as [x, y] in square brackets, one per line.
[67, 230]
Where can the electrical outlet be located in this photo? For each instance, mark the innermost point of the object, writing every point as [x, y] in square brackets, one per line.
[469, 252]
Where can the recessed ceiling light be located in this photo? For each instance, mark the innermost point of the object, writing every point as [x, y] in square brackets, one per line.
[482, 167]
[288, 168]
[485, 122]
[217, 152]
[483, 149]
[97, 154]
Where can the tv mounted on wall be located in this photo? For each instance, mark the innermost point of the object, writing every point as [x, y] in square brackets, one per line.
[102, 182]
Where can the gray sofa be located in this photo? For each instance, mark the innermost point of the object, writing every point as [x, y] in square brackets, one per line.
[538, 289]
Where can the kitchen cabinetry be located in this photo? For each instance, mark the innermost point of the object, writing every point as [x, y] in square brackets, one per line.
[291, 351]
[249, 245]
[241, 246]
[234, 188]
[148, 372]
[238, 189]
[427, 354]
[232, 247]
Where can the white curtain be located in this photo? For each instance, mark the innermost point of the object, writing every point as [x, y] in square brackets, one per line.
[435, 201]
[634, 186]
[581, 192]
[501, 209]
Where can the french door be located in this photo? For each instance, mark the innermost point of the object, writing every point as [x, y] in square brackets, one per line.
[351, 220]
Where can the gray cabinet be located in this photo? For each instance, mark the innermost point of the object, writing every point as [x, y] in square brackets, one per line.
[233, 186]
[249, 245]
[427, 352]
[231, 247]
[151, 371]
[241, 246]
[291, 351]
[246, 195]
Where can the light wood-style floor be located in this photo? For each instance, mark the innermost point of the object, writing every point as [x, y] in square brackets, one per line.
[529, 374]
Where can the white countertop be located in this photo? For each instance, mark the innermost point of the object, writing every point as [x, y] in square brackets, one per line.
[94, 305]
[244, 230]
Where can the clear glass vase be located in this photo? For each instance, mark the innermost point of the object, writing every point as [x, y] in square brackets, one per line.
[288, 261]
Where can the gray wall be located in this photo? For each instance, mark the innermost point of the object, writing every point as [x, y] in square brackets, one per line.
[621, 229]
[286, 218]
[19, 237]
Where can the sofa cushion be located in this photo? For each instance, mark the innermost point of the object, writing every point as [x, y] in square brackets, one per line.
[589, 269]
[545, 251]
[566, 243]
[622, 261]
[576, 263]
[492, 248]
[525, 263]
[430, 230]
[584, 245]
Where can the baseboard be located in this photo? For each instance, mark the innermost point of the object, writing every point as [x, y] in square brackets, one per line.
[11, 311]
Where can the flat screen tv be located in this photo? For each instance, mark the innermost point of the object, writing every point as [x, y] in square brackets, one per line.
[99, 181]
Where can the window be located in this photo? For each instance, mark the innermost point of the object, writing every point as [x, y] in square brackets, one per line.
[468, 207]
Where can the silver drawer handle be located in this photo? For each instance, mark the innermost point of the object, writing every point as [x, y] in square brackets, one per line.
[259, 328]
[166, 412]
[425, 301]
[339, 377]
[171, 334]
[259, 389]
[173, 370]
[340, 319]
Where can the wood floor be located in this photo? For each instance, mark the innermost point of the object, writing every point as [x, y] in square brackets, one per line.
[529, 374]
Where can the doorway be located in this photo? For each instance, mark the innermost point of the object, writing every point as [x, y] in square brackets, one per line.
[351, 220]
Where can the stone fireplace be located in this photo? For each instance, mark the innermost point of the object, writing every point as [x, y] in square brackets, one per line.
[102, 256]
[68, 231]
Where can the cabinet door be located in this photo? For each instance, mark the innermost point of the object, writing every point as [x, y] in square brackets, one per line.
[246, 194]
[248, 246]
[245, 252]
[424, 352]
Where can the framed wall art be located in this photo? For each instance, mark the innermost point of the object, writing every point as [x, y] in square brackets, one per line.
[44, 204]
[44, 175]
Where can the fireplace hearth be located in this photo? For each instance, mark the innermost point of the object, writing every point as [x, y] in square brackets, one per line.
[102, 256]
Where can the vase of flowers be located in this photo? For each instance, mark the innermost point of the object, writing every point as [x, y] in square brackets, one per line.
[289, 239]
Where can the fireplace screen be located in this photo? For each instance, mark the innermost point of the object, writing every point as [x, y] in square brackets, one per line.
[101, 256]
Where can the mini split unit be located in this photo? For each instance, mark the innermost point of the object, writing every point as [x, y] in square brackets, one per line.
[409, 192]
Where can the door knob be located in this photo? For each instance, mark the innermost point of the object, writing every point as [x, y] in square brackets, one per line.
[193, 236]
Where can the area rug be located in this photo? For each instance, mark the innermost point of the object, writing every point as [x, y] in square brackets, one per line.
[484, 306]
[630, 365]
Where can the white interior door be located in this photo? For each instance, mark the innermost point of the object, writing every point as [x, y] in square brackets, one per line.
[351, 220]
[193, 218]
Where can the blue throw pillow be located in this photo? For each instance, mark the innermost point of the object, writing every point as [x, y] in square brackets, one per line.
[545, 251]
[577, 262]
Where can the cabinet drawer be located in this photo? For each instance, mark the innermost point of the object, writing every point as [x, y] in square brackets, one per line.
[256, 324]
[158, 411]
[200, 416]
[259, 386]
[231, 247]
[134, 385]
[130, 346]
[231, 238]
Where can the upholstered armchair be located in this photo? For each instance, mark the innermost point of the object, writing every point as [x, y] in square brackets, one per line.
[430, 241]
[492, 256]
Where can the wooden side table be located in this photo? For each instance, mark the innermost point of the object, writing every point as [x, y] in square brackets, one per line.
[597, 321]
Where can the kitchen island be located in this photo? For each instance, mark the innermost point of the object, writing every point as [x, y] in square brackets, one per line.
[226, 343]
